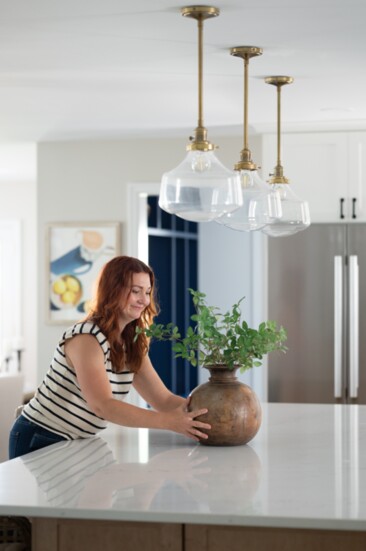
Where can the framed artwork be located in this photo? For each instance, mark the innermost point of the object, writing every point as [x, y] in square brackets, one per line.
[75, 254]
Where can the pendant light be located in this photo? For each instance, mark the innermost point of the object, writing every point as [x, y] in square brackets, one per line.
[261, 205]
[200, 189]
[295, 211]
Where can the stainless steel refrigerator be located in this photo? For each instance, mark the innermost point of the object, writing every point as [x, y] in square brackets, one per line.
[317, 291]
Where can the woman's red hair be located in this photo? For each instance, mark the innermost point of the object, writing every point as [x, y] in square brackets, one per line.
[114, 280]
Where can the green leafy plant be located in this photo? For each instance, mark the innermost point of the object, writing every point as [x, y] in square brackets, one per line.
[219, 338]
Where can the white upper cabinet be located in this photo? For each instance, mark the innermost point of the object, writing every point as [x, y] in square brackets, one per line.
[328, 169]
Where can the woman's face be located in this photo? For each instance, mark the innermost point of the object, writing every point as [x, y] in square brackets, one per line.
[136, 298]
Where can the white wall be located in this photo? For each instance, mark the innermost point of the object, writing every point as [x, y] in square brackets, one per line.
[88, 181]
[18, 201]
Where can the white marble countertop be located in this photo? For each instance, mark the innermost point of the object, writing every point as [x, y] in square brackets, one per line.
[306, 468]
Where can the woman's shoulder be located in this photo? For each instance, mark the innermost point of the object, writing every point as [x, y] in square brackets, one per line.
[82, 327]
[87, 328]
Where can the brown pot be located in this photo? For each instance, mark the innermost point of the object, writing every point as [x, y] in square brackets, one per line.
[234, 411]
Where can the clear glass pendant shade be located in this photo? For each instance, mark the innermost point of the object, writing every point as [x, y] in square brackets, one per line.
[261, 204]
[295, 213]
[200, 189]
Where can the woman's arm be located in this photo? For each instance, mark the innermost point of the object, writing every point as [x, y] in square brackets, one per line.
[84, 353]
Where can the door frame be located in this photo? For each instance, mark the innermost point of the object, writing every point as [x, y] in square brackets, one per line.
[137, 238]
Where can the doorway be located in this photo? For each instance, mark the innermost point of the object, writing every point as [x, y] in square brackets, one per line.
[173, 254]
[170, 245]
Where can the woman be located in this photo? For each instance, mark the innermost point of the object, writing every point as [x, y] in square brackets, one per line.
[96, 362]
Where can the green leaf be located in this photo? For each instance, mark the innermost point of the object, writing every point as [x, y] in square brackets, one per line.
[217, 337]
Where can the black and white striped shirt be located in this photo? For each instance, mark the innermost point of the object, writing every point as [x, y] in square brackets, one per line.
[59, 405]
[62, 471]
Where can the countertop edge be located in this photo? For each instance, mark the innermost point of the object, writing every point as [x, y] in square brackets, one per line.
[184, 518]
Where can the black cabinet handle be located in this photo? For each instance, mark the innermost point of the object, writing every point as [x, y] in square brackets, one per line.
[354, 207]
[341, 201]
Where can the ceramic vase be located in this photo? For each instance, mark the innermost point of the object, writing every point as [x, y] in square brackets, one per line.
[234, 410]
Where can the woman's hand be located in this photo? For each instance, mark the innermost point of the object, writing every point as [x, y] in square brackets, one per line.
[184, 422]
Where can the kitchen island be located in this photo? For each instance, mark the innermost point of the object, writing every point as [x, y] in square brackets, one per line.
[299, 484]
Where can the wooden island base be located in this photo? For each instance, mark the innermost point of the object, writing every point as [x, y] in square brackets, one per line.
[90, 535]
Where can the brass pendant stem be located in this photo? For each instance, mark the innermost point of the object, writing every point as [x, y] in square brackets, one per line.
[246, 87]
[246, 52]
[200, 72]
[278, 125]
[278, 81]
[199, 141]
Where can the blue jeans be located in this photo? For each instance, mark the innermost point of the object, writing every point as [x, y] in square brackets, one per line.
[26, 437]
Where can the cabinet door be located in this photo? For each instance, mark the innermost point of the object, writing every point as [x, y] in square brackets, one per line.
[357, 176]
[316, 165]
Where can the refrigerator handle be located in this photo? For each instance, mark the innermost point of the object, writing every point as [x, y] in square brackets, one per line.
[353, 326]
[338, 323]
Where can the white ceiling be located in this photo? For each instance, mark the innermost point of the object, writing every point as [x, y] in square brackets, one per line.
[88, 69]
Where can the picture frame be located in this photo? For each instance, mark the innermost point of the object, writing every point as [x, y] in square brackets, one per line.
[75, 254]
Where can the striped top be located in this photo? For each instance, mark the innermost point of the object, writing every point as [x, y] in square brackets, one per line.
[62, 472]
[59, 405]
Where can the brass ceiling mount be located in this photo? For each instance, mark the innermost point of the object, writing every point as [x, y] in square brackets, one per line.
[200, 12]
[279, 80]
[246, 52]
